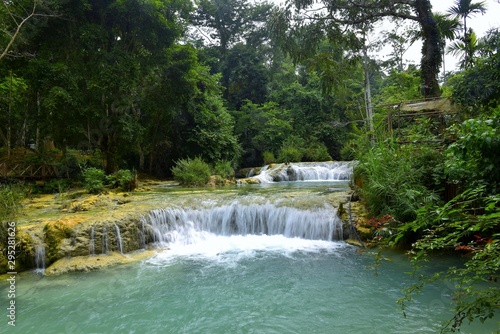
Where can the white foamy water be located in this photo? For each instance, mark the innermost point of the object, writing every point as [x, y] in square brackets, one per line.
[317, 171]
[231, 249]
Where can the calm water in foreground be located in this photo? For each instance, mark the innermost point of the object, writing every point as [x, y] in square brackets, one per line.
[235, 284]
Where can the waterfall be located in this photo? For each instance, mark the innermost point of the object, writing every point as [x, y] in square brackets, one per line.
[187, 226]
[142, 235]
[40, 258]
[314, 171]
[251, 172]
[119, 238]
[105, 241]
[92, 241]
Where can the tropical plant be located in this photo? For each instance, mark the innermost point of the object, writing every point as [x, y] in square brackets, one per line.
[468, 42]
[123, 178]
[448, 28]
[466, 8]
[466, 47]
[473, 159]
[268, 157]
[94, 179]
[478, 87]
[224, 169]
[11, 196]
[466, 225]
[392, 179]
[191, 172]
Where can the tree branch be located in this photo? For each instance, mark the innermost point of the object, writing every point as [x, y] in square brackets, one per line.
[18, 29]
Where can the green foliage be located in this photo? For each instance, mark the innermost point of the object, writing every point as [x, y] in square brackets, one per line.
[467, 225]
[392, 180]
[290, 154]
[224, 169]
[11, 196]
[191, 172]
[479, 86]
[123, 178]
[94, 179]
[55, 186]
[268, 158]
[474, 158]
[213, 132]
[400, 86]
[317, 152]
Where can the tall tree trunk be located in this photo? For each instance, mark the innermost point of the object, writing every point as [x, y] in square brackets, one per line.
[37, 132]
[111, 154]
[431, 52]
[368, 93]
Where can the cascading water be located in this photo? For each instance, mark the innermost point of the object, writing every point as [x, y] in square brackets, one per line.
[40, 258]
[92, 241]
[119, 240]
[189, 226]
[317, 171]
[105, 241]
[142, 235]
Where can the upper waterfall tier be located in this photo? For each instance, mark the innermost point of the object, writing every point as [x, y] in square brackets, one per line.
[306, 171]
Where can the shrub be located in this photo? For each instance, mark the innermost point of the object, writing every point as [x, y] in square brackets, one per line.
[224, 169]
[124, 179]
[392, 180]
[94, 180]
[10, 201]
[290, 154]
[268, 158]
[55, 186]
[317, 152]
[473, 158]
[191, 172]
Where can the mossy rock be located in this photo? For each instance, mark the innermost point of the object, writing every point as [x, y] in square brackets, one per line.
[55, 233]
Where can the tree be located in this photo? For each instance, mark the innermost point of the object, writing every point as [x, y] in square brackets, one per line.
[478, 86]
[246, 75]
[464, 9]
[466, 48]
[448, 29]
[225, 23]
[12, 23]
[401, 39]
[339, 20]
[109, 50]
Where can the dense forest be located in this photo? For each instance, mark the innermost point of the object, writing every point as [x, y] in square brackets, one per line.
[154, 85]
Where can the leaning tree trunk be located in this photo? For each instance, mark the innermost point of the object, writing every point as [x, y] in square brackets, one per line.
[431, 52]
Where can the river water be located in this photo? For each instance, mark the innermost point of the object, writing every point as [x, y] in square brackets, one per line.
[206, 280]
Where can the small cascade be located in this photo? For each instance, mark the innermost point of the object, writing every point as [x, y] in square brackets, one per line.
[251, 172]
[264, 176]
[307, 171]
[105, 241]
[188, 226]
[40, 258]
[92, 241]
[119, 240]
[142, 234]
